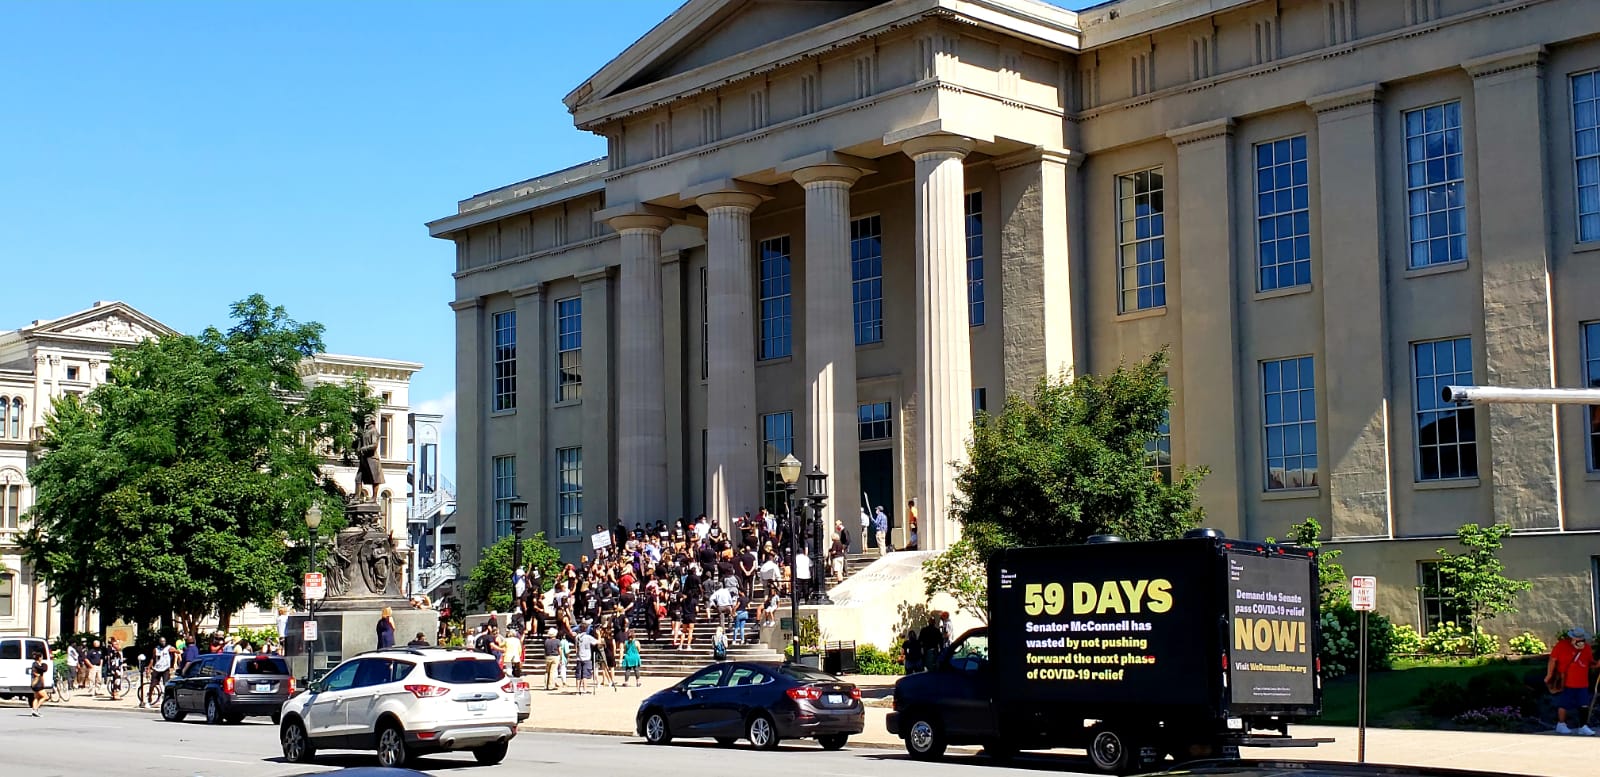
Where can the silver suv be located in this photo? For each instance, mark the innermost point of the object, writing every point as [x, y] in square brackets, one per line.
[405, 703]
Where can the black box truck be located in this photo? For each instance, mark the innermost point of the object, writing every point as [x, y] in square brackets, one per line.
[1130, 650]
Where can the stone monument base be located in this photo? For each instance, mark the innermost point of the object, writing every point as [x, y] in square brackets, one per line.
[342, 633]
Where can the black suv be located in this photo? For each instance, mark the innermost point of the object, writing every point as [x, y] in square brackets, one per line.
[229, 687]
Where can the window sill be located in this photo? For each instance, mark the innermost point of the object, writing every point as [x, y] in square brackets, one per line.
[1437, 269]
[774, 361]
[1592, 476]
[873, 346]
[502, 413]
[1287, 291]
[1583, 248]
[566, 540]
[1445, 485]
[1137, 315]
[1286, 494]
[567, 403]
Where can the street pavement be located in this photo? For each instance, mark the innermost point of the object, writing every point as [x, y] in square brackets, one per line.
[594, 732]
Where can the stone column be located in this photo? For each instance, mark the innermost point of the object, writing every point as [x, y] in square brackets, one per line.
[1356, 313]
[533, 405]
[472, 469]
[944, 351]
[1208, 314]
[1508, 92]
[641, 400]
[830, 340]
[598, 412]
[1039, 287]
[733, 451]
[40, 399]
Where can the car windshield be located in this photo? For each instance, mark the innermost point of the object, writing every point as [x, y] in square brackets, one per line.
[465, 670]
[805, 675]
[261, 665]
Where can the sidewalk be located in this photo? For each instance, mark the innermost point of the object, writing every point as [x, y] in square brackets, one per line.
[612, 712]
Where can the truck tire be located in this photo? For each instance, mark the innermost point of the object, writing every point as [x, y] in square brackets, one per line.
[1112, 750]
[924, 737]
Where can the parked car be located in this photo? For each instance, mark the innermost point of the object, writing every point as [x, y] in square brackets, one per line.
[16, 663]
[404, 703]
[764, 703]
[228, 687]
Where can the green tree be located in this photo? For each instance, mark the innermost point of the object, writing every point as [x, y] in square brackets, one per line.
[490, 582]
[1476, 579]
[174, 488]
[1332, 587]
[959, 571]
[1070, 462]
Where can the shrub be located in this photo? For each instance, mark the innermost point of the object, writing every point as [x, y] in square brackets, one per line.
[872, 661]
[1525, 644]
[1482, 643]
[1493, 719]
[1502, 689]
[1341, 627]
[86, 637]
[1406, 640]
[256, 637]
[1446, 639]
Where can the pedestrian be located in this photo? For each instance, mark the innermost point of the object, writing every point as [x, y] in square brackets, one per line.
[74, 660]
[95, 658]
[606, 659]
[38, 672]
[631, 660]
[161, 663]
[802, 573]
[880, 529]
[866, 529]
[512, 658]
[719, 645]
[552, 659]
[386, 629]
[932, 639]
[911, 654]
[586, 645]
[911, 522]
[741, 618]
[566, 661]
[420, 641]
[1567, 675]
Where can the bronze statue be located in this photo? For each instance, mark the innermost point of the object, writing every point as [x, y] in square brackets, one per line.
[369, 466]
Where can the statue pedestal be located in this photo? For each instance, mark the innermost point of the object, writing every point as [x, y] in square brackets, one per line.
[344, 633]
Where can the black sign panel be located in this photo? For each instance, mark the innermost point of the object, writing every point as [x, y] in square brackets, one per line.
[1131, 623]
[1270, 604]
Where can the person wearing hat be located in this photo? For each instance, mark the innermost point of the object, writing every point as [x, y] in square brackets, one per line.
[1571, 661]
[552, 659]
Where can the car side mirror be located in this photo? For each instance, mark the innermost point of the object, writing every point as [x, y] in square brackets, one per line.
[689, 692]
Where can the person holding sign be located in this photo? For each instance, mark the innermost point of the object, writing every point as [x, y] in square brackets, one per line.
[1571, 662]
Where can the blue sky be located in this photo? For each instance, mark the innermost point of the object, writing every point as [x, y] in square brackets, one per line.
[180, 156]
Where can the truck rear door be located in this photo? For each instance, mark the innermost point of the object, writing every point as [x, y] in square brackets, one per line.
[1272, 605]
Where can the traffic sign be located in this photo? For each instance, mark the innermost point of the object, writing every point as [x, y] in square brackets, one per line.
[309, 631]
[1364, 593]
[315, 587]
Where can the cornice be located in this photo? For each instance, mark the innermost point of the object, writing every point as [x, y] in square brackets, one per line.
[541, 254]
[1366, 94]
[466, 304]
[534, 290]
[595, 275]
[1037, 155]
[1199, 133]
[1506, 62]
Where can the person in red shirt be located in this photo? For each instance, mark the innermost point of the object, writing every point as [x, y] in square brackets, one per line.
[1571, 660]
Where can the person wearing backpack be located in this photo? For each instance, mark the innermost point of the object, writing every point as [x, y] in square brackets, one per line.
[1571, 663]
[719, 645]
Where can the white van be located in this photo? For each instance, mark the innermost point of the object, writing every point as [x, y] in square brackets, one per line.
[16, 656]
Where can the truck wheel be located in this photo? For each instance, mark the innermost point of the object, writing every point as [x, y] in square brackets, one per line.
[924, 738]
[1112, 750]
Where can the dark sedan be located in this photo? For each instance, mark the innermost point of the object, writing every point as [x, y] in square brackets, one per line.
[764, 703]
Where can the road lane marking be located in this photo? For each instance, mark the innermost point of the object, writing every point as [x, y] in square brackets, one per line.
[212, 760]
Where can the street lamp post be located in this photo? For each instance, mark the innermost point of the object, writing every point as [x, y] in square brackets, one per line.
[789, 472]
[519, 521]
[313, 520]
[817, 495]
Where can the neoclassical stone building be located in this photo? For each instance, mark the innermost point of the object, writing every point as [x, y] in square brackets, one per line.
[840, 228]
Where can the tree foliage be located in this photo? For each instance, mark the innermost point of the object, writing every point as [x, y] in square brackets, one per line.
[1332, 587]
[490, 582]
[1070, 462]
[177, 486]
[1476, 579]
[959, 571]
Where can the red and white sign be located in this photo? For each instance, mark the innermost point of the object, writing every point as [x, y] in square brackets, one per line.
[315, 587]
[309, 631]
[1364, 593]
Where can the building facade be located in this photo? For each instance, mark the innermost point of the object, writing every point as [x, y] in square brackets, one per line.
[49, 359]
[839, 229]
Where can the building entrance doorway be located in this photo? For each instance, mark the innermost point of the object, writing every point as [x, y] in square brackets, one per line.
[877, 486]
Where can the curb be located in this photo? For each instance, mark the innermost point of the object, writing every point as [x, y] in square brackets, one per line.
[616, 733]
[153, 712]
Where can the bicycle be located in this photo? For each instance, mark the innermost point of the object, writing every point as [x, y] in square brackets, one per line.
[62, 690]
[119, 683]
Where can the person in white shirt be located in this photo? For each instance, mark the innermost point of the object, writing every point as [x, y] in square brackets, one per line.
[802, 573]
[866, 528]
[769, 574]
[702, 527]
[722, 600]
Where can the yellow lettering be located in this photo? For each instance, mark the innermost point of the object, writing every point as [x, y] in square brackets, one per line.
[1283, 636]
[1263, 633]
[1160, 595]
[1083, 598]
[1110, 600]
[1135, 591]
[1242, 635]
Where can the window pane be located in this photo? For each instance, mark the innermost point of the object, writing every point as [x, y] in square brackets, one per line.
[1289, 418]
[1434, 170]
[1141, 232]
[1444, 432]
[1282, 213]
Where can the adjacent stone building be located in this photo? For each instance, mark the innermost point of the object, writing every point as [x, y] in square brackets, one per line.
[840, 228]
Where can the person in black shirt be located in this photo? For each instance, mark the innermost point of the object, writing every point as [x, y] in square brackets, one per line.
[932, 640]
[421, 640]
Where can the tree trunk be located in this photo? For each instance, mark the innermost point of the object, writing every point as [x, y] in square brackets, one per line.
[223, 621]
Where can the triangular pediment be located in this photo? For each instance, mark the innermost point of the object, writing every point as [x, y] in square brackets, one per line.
[702, 32]
[116, 322]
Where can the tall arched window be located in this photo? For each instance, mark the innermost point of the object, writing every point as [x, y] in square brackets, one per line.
[5, 413]
[16, 418]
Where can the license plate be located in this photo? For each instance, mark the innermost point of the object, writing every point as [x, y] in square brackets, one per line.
[477, 706]
[834, 698]
[263, 687]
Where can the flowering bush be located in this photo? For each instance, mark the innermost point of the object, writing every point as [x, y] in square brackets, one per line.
[1493, 718]
[1406, 640]
[1341, 627]
[1525, 644]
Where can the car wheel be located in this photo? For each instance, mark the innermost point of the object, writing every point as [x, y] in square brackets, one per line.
[925, 739]
[727, 741]
[1111, 750]
[655, 729]
[761, 733]
[392, 751]
[833, 741]
[170, 710]
[489, 755]
[213, 710]
[297, 747]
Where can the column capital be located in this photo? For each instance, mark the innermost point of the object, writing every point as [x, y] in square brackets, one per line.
[938, 144]
[827, 166]
[1040, 155]
[1197, 133]
[534, 290]
[1525, 58]
[1366, 96]
[638, 215]
[595, 275]
[466, 304]
[728, 193]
